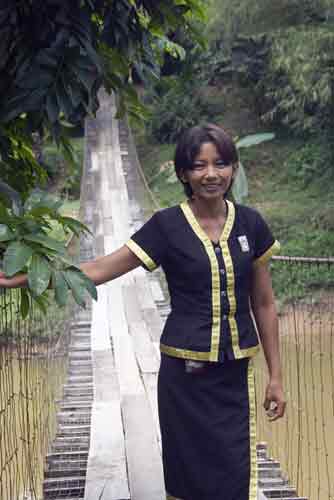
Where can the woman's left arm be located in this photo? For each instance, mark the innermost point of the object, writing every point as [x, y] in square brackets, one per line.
[264, 311]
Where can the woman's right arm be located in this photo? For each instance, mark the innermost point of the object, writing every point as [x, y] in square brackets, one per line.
[100, 270]
[111, 266]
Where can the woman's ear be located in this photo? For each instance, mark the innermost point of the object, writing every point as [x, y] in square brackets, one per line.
[183, 176]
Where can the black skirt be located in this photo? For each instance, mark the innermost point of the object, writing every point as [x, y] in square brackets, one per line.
[208, 430]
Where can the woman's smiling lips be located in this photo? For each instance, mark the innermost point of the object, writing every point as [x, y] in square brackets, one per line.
[211, 187]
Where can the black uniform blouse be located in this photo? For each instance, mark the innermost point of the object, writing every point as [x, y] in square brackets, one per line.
[209, 283]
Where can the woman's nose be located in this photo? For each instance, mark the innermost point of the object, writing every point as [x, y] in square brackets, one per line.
[211, 170]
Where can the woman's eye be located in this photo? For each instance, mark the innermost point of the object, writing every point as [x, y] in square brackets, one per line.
[221, 164]
[218, 164]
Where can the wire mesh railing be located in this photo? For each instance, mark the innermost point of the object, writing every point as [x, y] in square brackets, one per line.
[302, 441]
[33, 365]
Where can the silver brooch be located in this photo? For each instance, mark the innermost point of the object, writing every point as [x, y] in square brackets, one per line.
[243, 241]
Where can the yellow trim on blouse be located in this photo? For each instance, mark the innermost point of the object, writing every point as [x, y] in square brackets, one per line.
[141, 254]
[215, 278]
[230, 279]
[176, 352]
[273, 250]
[252, 434]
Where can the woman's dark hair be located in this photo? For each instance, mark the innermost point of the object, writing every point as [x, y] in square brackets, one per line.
[189, 145]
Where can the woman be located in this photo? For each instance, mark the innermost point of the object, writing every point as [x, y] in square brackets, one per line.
[214, 254]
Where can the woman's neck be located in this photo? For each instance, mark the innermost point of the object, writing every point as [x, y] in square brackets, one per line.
[208, 209]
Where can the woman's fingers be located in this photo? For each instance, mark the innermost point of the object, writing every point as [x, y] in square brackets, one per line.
[266, 404]
[3, 280]
[280, 410]
[274, 402]
[276, 410]
[17, 281]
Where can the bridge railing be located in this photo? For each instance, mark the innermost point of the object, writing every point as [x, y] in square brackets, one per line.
[303, 440]
[33, 360]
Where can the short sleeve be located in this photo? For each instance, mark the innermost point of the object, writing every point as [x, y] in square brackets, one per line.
[149, 243]
[265, 244]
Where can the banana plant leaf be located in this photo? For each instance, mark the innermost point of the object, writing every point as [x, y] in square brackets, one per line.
[240, 185]
[254, 139]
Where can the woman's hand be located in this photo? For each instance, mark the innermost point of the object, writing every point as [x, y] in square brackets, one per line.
[103, 269]
[17, 281]
[274, 402]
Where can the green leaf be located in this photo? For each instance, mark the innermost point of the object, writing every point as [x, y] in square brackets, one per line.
[45, 241]
[76, 285]
[64, 100]
[39, 274]
[172, 48]
[47, 58]
[68, 261]
[39, 198]
[36, 78]
[34, 225]
[253, 140]
[3, 211]
[40, 211]
[34, 101]
[76, 94]
[240, 185]
[33, 199]
[87, 78]
[5, 233]
[52, 107]
[42, 302]
[91, 52]
[68, 152]
[12, 196]
[25, 303]
[76, 226]
[13, 106]
[60, 288]
[16, 257]
[90, 286]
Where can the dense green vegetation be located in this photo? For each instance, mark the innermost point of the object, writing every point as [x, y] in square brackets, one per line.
[268, 68]
[55, 56]
[64, 177]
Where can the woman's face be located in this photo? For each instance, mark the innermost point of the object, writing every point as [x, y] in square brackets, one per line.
[210, 177]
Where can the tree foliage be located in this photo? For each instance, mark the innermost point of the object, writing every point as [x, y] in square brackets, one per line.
[56, 55]
[297, 88]
[26, 246]
[176, 104]
[283, 51]
[230, 18]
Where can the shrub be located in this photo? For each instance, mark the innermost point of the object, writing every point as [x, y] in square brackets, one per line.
[311, 162]
[65, 170]
[181, 104]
